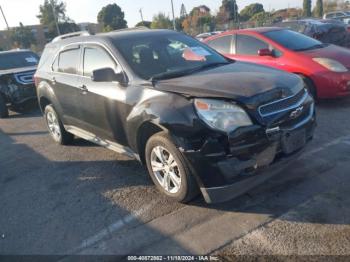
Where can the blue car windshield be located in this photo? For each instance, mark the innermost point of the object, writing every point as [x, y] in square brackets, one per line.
[11, 60]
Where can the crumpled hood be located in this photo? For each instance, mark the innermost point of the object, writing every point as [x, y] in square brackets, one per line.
[244, 82]
[334, 52]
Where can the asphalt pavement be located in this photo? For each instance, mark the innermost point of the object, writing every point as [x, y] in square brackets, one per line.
[85, 199]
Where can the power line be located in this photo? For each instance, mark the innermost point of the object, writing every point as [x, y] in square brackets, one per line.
[2, 12]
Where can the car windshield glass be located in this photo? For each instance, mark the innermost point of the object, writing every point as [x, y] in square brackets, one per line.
[17, 60]
[293, 40]
[170, 55]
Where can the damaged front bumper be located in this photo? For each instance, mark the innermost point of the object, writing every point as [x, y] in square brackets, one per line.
[254, 155]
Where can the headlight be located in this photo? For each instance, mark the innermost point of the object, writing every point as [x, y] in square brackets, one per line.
[221, 115]
[331, 64]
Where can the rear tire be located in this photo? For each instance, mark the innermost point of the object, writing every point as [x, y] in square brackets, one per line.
[56, 128]
[169, 169]
[4, 112]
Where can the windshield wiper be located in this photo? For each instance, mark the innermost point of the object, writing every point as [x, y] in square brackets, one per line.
[174, 74]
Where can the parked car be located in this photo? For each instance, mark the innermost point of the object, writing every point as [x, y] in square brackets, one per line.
[338, 15]
[327, 31]
[323, 67]
[193, 117]
[17, 69]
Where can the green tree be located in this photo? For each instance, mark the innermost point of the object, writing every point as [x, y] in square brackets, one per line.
[144, 23]
[112, 18]
[48, 18]
[22, 37]
[250, 10]
[228, 14]
[161, 21]
[318, 11]
[261, 19]
[307, 8]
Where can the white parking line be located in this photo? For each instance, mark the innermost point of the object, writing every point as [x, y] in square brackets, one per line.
[118, 225]
[339, 140]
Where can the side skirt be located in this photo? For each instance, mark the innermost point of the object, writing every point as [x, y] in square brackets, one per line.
[102, 142]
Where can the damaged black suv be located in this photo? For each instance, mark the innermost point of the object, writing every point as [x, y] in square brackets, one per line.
[194, 118]
[17, 87]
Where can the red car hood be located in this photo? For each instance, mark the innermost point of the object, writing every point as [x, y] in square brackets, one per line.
[334, 52]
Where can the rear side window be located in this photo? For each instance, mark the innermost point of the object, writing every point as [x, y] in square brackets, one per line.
[222, 44]
[247, 45]
[68, 61]
[97, 58]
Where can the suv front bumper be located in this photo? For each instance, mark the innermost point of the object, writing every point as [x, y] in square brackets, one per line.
[225, 174]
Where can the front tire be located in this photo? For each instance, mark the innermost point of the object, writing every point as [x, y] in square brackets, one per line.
[4, 112]
[55, 127]
[169, 169]
[310, 86]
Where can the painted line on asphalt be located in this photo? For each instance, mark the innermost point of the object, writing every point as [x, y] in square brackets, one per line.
[118, 225]
[339, 140]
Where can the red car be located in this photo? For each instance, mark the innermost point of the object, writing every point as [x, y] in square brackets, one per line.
[324, 67]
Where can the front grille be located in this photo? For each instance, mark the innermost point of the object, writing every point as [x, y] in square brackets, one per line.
[25, 78]
[283, 105]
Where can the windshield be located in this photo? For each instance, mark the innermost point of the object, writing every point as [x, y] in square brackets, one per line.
[17, 60]
[293, 40]
[167, 55]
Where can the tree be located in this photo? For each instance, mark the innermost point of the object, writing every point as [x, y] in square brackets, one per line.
[318, 11]
[198, 21]
[161, 21]
[48, 18]
[307, 8]
[228, 14]
[22, 37]
[112, 18]
[144, 23]
[261, 19]
[250, 10]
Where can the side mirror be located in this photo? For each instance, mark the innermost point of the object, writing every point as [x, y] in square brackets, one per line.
[265, 52]
[107, 75]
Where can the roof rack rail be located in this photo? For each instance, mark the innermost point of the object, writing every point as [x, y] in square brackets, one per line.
[70, 35]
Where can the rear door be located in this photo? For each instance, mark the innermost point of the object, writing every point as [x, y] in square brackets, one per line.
[102, 104]
[222, 44]
[64, 80]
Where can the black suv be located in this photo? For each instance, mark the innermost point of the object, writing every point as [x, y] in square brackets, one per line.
[17, 69]
[196, 119]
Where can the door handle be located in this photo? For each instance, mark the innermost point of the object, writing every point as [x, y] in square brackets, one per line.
[83, 88]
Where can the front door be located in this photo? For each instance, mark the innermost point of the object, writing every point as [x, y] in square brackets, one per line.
[102, 104]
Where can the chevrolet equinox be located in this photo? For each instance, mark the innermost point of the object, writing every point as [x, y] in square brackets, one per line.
[197, 120]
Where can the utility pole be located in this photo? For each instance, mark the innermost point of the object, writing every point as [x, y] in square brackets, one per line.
[2, 12]
[55, 17]
[141, 15]
[172, 7]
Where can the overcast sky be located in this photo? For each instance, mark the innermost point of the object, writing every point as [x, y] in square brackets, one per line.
[25, 11]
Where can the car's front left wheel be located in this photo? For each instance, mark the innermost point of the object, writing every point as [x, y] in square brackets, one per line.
[169, 169]
[56, 128]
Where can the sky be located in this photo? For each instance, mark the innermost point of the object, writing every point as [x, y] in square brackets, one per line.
[25, 11]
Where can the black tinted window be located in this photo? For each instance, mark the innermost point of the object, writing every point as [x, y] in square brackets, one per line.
[293, 40]
[247, 45]
[68, 61]
[222, 44]
[17, 60]
[96, 58]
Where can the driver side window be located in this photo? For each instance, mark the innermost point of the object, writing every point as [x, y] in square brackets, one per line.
[97, 58]
[248, 45]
